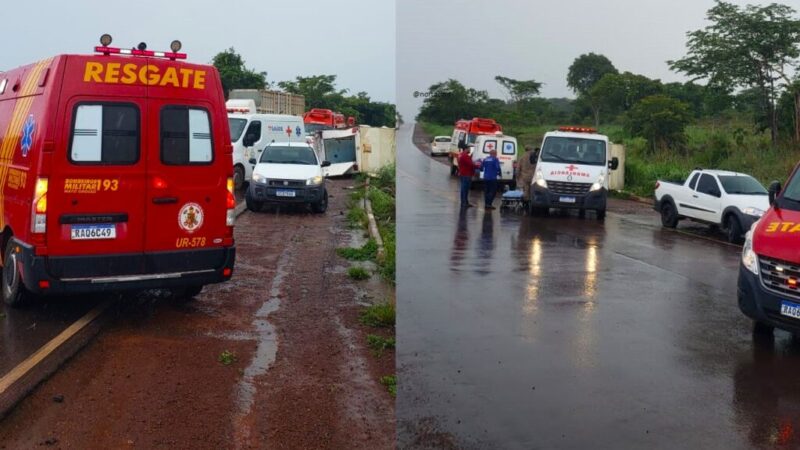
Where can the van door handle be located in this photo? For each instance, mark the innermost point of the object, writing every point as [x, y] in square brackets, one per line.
[164, 200]
[695, 196]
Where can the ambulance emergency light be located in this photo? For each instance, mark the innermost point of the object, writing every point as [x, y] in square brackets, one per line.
[141, 50]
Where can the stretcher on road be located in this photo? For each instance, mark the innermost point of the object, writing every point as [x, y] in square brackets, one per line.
[512, 200]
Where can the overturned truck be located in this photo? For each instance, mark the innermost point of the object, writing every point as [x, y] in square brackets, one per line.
[357, 149]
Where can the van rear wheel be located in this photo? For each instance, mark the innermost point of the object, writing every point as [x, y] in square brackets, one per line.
[238, 177]
[14, 292]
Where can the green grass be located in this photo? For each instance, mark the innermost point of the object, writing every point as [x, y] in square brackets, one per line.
[358, 273]
[379, 344]
[227, 358]
[365, 253]
[390, 381]
[379, 315]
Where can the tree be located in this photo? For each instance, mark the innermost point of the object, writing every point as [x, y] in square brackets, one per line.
[448, 101]
[234, 74]
[752, 46]
[659, 119]
[519, 90]
[617, 93]
[319, 91]
[584, 73]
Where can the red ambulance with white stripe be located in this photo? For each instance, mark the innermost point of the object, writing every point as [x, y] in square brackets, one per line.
[115, 174]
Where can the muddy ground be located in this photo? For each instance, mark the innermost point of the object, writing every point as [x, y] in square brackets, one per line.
[300, 374]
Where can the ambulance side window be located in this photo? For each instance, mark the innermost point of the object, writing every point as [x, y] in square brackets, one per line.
[105, 134]
[253, 133]
[489, 145]
[509, 148]
[186, 136]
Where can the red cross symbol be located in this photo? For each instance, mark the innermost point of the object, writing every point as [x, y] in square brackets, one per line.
[490, 146]
[288, 131]
[571, 167]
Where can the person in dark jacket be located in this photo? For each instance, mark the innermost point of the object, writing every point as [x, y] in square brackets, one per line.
[491, 172]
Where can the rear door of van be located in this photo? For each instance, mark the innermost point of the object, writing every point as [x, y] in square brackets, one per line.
[96, 185]
[187, 193]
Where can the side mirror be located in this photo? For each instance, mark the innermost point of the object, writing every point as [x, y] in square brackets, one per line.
[325, 164]
[774, 190]
[614, 163]
[248, 141]
[252, 161]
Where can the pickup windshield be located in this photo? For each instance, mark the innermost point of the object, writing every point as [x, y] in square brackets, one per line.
[574, 150]
[741, 185]
[237, 127]
[289, 155]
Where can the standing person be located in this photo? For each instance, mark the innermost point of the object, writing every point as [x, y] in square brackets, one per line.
[466, 170]
[527, 167]
[491, 171]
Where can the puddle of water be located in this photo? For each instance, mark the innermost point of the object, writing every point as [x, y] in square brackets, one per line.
[267, 347]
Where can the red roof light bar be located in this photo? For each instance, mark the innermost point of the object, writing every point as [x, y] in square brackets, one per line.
[134, 52]
[578, 129]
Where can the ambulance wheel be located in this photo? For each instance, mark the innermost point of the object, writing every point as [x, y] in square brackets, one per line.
[322, 205]
[601, 214]
[251, 204]
[14, 292]
[238, 177]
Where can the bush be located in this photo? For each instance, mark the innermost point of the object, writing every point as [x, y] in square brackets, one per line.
[366, 252]
[659, 119]
[379, 315]
[358, 273]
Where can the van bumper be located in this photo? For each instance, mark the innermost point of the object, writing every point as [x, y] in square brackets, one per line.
[113, 273]
[759, 304]
[544, 198]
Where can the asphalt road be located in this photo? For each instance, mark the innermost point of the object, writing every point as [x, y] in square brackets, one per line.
[560, 332]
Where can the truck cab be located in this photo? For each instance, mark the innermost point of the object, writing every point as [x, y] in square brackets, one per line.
[572, 171]
[769, 273]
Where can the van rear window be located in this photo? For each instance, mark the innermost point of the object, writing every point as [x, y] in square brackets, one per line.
[105, 133]
[186, 136]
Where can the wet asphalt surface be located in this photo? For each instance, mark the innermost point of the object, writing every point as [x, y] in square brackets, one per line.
[561, 332]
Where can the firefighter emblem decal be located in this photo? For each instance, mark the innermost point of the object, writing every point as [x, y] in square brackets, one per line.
[191, 217]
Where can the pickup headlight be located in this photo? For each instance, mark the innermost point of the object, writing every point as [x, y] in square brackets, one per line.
[539, 179]
[315, 181]
[597, 185]
[258, 178]
[751, 211]
[749, 257]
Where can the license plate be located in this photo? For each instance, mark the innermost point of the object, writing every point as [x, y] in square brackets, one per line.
[105, 231]
[790, 309]
[566, 199]
[285, 193]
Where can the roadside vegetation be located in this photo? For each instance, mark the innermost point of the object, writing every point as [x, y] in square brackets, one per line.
[736, 115]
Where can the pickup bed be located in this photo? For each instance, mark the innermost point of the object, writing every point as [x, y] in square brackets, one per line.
[729, 200]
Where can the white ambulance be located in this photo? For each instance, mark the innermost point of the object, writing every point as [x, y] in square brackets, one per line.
[572, 171]
[506, 147]
[251, 132]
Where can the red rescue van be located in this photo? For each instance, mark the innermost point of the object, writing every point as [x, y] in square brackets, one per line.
[467, 131]
[769, 273]
[115, 174]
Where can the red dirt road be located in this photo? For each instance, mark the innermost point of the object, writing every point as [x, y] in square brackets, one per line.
[302, 376]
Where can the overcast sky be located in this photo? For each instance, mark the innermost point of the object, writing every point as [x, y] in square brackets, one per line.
[474, 40]
[354, 39]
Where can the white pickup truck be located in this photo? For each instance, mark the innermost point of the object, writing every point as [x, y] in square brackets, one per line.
[729, 200]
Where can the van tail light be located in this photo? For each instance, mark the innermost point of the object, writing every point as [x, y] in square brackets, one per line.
[39, 209]
[231, 204]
